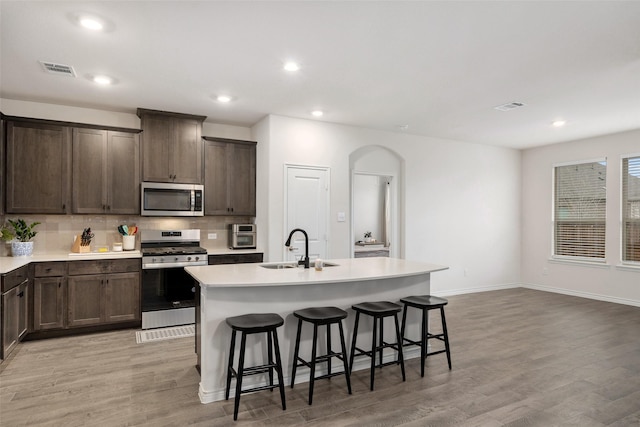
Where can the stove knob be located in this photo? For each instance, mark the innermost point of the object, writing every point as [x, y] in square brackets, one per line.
[176, 259]
[197, 258]
[189, 258]
[153, 260]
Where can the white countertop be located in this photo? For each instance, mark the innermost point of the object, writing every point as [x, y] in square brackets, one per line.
[10, 263]
[347, 270]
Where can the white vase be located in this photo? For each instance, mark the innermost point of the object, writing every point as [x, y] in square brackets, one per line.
[21, 248]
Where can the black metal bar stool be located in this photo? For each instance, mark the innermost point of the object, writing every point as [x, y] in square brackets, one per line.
[426, 303]
[319, 316]
[253, 324]
[378, 310]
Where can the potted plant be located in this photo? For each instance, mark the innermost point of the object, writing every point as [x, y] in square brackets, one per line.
[20, 234]
[367, 237]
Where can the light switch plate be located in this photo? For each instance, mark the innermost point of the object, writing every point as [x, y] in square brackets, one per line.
[341, 217]
[212, 236]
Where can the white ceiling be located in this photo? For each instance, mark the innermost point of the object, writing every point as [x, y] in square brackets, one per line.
[437, 66]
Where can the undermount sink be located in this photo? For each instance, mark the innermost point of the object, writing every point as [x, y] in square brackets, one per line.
[285, 265]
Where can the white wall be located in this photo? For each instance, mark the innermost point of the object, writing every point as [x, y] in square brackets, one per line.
[611, 282]
[462, 200]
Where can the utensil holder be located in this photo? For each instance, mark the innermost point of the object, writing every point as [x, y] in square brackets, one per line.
[78, 248]
[128, 243]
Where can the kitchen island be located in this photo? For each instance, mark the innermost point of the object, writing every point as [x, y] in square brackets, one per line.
[232, 290]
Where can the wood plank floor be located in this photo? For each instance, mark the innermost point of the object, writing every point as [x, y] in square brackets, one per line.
[520, 358]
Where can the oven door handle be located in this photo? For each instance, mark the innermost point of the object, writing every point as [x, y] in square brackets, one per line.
[161, 265]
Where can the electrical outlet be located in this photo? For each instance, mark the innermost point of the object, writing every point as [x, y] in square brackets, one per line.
[212, 236]
[466, 272]
[545, 271]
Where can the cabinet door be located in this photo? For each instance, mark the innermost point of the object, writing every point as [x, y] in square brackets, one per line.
[156, 143]
[23, 309]
[85, 300]
[48, 303]
[186, 151]
[89, 171]
[2, 134]
[216, 185]
[122, 297]
[10, 312]
[123, 173]
[38, 176]
[242, 194]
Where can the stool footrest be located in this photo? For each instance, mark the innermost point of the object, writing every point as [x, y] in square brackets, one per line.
[333, 374]
[360, 352]
[254, 370]
[319, 359]
[260, 388]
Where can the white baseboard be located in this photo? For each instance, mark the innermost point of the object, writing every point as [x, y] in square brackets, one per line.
[447, 293]
[588, 295]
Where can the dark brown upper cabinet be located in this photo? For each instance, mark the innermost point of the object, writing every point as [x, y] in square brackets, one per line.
[106, 172]
[230, 177]
[2, 138]
[38, 172]
[171, 147]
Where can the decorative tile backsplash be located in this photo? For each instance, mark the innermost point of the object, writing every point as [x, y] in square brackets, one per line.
[56, 232]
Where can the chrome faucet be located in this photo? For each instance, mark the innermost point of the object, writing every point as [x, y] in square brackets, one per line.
[304, 261]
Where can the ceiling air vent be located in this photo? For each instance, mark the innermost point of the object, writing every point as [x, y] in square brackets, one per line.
[509, 106]
[60, 69]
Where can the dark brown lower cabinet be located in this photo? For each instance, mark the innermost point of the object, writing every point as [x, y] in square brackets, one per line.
[102, 292]
[86, 300]
[14, 308]
[49, 303]
[82, 294]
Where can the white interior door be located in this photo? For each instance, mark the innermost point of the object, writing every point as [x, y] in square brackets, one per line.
[307, 207]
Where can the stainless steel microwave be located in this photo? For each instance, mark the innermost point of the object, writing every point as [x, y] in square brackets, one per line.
[169, 199]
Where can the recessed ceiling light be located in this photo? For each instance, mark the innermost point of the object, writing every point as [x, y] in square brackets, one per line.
[403, 127]
[102, 80]
[317, 113]
[223, 98]
[91, 23]
[559, 123]
[291, 66]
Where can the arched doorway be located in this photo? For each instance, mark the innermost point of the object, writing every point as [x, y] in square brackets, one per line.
[377, 176]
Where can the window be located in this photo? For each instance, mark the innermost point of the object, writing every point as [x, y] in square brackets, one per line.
[580, 210]
[631, 209]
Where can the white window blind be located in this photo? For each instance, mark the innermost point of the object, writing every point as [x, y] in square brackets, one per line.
[580, 210]
[631, 209]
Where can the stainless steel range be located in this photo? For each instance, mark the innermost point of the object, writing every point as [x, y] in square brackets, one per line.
[168, 292]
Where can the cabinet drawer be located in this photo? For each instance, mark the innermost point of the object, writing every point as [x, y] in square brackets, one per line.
[235, 258]
[50, 269]
[14, 278]
[104, 266]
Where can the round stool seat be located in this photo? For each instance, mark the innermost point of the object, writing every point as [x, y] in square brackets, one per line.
[321, 314]
[258, 322]
[425, 301]
[377, 308]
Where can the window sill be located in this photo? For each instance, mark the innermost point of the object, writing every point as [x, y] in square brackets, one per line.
[584, 263]
[628, 267]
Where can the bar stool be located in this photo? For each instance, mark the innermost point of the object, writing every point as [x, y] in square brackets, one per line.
[378, 310]
[319, 316]
[252, 324]
[426, 303]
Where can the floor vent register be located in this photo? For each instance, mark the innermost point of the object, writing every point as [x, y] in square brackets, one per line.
[162, 334]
